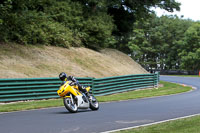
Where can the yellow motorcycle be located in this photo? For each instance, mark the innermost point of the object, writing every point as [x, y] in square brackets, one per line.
[74, 99]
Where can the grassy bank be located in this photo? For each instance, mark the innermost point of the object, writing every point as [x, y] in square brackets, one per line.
[166, 89]
[18, 61]
[188, 125]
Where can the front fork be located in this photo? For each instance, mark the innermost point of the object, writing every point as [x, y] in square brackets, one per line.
[73, 98]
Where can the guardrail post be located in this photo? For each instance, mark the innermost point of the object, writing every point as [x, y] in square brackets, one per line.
[156, 79]
[92, 85]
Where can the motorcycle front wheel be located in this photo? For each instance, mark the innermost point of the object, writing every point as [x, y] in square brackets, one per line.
[70, 105]
[94, 104]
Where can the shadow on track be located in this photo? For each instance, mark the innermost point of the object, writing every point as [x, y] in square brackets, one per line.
[67, 112]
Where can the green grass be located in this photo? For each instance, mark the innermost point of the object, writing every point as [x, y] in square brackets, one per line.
[167, 89]
[187, 125]
[31, 105]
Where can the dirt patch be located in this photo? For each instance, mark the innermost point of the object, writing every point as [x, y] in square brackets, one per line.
[18, 61]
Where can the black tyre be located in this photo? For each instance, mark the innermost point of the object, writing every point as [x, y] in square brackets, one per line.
[94, 104]
[70, 105]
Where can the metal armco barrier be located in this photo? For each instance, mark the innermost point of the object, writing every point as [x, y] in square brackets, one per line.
[45, 88]
[111, 85]
[32, 88]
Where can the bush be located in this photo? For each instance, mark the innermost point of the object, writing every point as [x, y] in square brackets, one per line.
[97, 31]
[35, 28]
[49, 22]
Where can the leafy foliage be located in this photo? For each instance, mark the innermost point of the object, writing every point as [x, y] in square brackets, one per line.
[158, 41]
[97, 30]
[91, 23]
[128, 25]
[27, 23]
[190, 54]
[53, 22]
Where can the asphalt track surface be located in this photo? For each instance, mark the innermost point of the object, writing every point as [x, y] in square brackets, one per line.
[110, 116]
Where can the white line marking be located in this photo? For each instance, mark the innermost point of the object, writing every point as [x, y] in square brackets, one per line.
[144, 125]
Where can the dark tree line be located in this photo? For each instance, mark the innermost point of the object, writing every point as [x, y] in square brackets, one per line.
[166, 42]
[127, 25]
[90, 23]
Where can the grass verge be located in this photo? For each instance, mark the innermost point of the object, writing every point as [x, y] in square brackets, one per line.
[167, 89]
[187, 125]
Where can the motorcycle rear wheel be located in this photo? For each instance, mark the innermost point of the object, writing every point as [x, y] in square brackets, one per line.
[70, 105]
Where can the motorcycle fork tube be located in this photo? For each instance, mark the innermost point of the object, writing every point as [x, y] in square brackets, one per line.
[72, 99]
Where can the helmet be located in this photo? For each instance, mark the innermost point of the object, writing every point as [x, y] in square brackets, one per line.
[62, 76]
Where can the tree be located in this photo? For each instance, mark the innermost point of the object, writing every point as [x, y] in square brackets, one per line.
[191, 60]
[125, 13]
[158, 41]
[190, 54]
[92, 23]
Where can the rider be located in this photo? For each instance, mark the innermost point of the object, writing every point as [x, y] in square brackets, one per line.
[64, 78]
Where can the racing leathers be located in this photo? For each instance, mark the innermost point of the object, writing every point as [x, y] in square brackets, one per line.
[75, 82]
